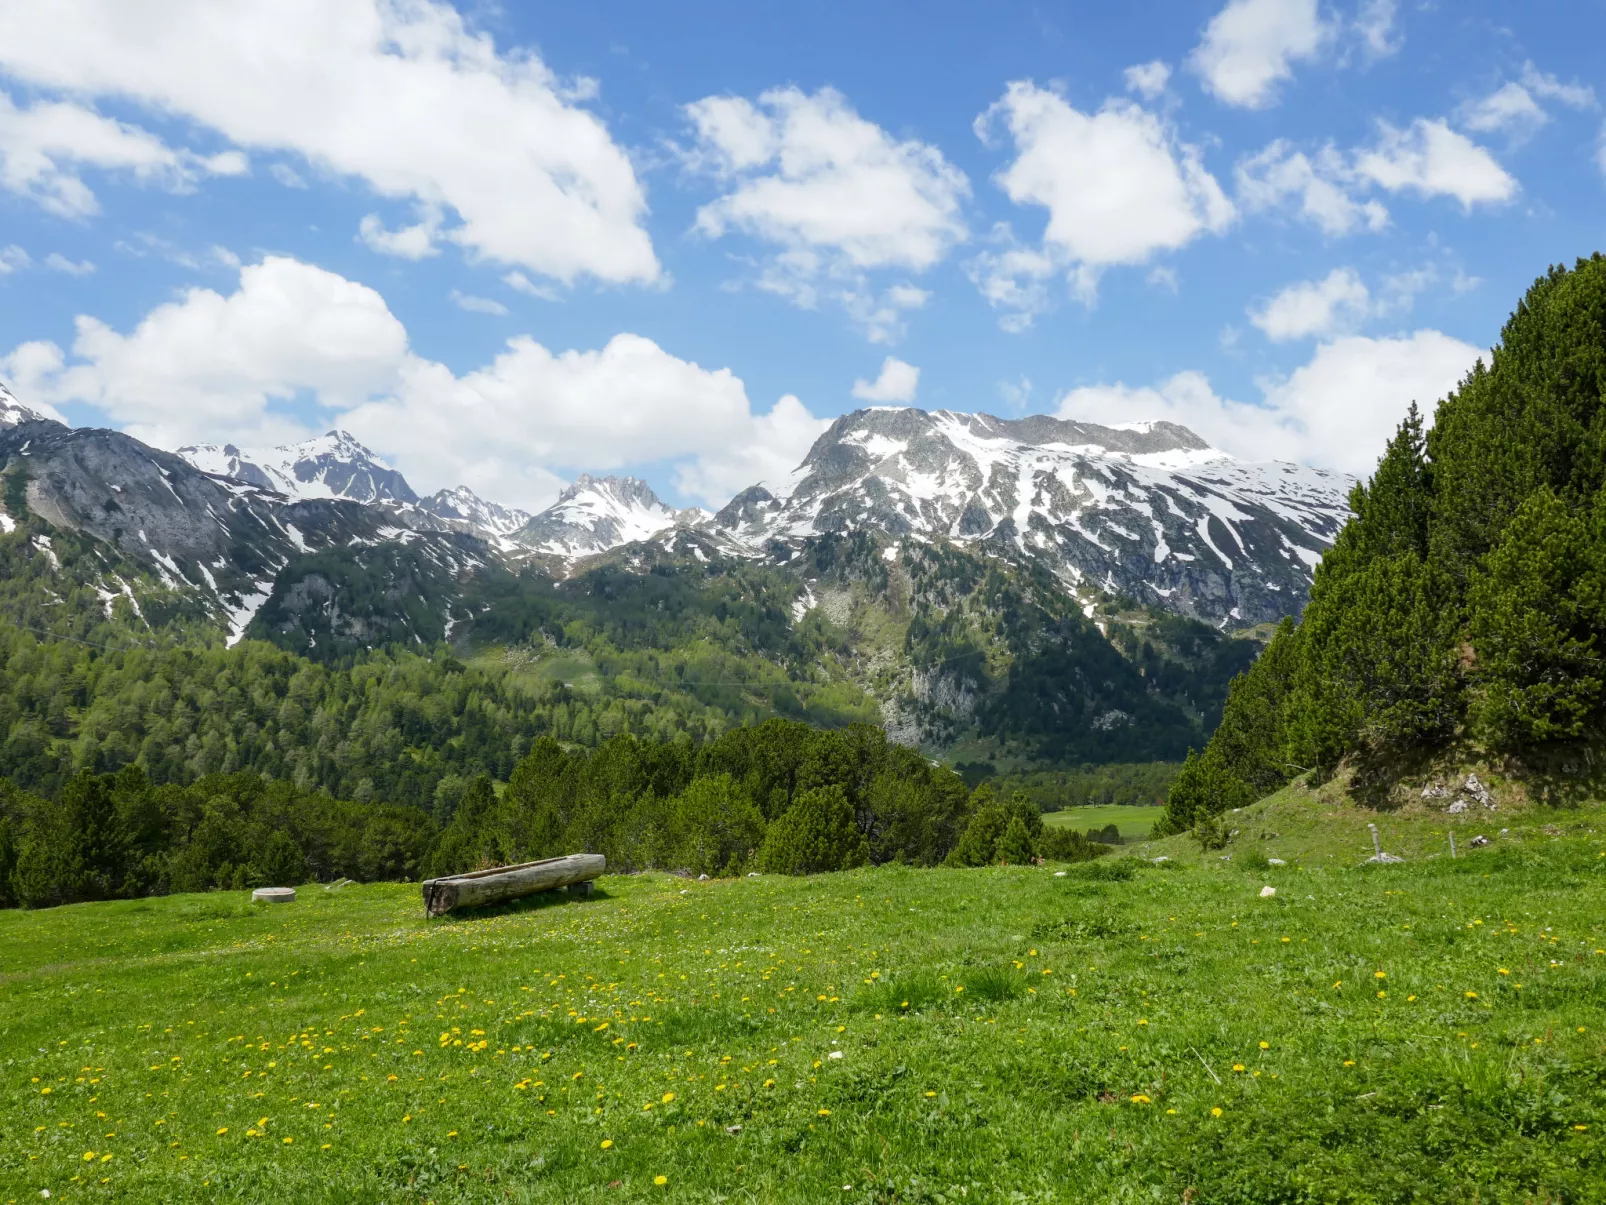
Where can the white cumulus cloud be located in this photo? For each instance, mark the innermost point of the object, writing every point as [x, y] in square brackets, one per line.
[1432, 160]
[1250, 47]
[44, 147]
[897, 383]
[208, 367]
[1149, 79]
[1314, 307]
[1118, 185]
[1335, 411]
[401, 94]
[834, 194]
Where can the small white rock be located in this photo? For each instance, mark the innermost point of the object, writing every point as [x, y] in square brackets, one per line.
[1275, 862]
[1267, 892]
[1059, 874]
[836, 1054]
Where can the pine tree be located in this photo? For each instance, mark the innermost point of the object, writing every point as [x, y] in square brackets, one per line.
[817, 833]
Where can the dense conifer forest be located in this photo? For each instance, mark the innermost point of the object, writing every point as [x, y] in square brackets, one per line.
[1464, 604]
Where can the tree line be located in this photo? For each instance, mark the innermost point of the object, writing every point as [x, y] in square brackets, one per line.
[778, 797]
[1465, 599]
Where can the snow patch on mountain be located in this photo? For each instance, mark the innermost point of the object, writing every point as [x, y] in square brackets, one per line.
[13, 413]
[1145, 509]
[596, 514]
[463, 505]
[331, 466]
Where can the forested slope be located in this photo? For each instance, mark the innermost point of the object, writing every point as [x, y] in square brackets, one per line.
[1463, 607]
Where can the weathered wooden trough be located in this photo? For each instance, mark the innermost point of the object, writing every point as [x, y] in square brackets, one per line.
[502, 883]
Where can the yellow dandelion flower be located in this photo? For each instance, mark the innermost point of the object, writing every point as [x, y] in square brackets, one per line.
[1215, 1111]
[288, 1140]
[222, 1130]
[607, 1143]
[668, 1096]
[660, 1181]
[1237, 1066]
[825, 1112]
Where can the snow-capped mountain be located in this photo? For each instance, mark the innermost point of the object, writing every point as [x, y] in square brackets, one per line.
[1146, 510]
[331, 466]
[337, 466]
[463, 505]
[596, 514]
[13, 413]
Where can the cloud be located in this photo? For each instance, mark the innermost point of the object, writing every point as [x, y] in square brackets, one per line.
[1374, 21]
[897, 383]
[1512, 108]
[417, 241]
[1323, 186]
[1548, 87]
[1428, 159]
[1335, 411]
[57, 262]
[1250, 47]
[286, 175]
[1118, 185]
[1148, 80]
[807, 171]
[521, 283]
[43, 146]
[13, 257]
[1432, 160]
[836, 195]
[1316, 307]
[477, 305]
[400, 94]
[296, 348]
[768, 449]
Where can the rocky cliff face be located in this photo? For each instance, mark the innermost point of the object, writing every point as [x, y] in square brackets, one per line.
[1148, 511]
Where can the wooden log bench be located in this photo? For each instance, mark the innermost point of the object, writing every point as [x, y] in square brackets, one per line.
[502, 883]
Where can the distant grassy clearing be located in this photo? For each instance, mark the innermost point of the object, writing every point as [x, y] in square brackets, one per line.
[1355, 1032]
[1132, 822]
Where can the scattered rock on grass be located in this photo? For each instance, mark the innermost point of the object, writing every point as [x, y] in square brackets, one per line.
[1267, 892]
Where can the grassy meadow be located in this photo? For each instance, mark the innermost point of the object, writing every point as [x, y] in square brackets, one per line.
[1116, 1031]
[1131, 821]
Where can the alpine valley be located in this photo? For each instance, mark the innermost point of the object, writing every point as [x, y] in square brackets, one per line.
[1006, 593]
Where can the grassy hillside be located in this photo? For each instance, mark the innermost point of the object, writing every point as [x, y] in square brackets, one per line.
[1131, 821]
[1429, 1031]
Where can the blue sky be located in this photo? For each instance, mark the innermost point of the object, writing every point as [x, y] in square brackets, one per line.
[507, 244]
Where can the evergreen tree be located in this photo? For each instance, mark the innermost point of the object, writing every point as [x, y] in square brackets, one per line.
[1015, 847]
[817, 833]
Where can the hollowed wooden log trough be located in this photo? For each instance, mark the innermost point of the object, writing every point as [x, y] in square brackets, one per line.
[502, 883]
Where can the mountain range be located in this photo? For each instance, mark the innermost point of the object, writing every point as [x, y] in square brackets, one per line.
[968, 578]
[1148, 510]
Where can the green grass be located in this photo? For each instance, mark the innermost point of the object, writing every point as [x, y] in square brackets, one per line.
[1133, 822]
[1123, 1032]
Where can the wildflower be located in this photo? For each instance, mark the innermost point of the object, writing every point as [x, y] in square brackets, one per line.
[607, 1143]
[1349, 1062]
[825, 1112]
[288, 1140]
[668, 1096]
[1472, 995]
[1140, 1099]
[1215, 1111]
[660, 1181]
[1265, 1045]
[1237, 1066]
[1502, 971]
[222, 1130]
[1379, 975]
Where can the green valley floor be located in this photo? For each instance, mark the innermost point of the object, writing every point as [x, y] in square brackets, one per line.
[1432, 1031]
